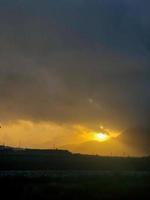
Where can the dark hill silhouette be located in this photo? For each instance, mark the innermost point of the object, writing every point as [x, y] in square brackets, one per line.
[34, 159]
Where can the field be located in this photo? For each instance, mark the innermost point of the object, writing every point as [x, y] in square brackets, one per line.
[44, 175]
[93, 185]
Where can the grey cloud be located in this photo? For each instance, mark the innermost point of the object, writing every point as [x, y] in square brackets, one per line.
[55, 56]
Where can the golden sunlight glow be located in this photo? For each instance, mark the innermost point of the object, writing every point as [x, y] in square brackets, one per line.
[48, 135]
[101, 137]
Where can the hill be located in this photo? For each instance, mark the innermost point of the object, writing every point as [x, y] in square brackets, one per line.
[35, 159]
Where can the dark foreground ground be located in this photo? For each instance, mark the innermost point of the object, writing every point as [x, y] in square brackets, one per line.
[94, 185]
[54, 174]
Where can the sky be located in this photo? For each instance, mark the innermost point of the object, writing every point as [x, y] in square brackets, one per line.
[73, 65]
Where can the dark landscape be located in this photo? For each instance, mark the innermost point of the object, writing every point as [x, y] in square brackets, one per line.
[59, 174]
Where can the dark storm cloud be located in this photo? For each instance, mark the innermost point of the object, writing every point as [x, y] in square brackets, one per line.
[75, 61]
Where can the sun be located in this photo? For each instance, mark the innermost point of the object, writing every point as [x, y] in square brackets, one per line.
[101, 137]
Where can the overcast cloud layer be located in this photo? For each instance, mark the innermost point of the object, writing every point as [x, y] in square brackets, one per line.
[75, 61]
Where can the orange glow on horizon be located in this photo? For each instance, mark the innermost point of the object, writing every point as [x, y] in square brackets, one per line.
[73, 137]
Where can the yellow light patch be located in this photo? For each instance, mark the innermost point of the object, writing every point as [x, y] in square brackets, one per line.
[101, 137]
